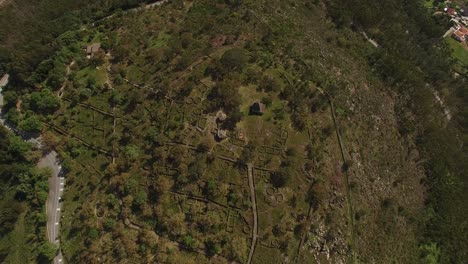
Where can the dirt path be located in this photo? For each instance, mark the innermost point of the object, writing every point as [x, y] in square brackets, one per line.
[446, 110]
[60, 92]
[346, 182]
[254, 211]
[111, 87]
[303, 238]
[371, 41]
[346, 178]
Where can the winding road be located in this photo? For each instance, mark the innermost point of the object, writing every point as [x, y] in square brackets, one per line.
[53, 203]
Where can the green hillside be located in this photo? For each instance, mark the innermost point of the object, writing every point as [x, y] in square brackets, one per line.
[252, 131]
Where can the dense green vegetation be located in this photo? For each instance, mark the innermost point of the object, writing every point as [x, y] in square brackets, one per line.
[156, 173]
[28, 30]
[23, 192]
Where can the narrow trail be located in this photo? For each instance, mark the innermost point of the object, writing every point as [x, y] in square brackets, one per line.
[346, 182]
[254, 211]
[92, 107]
[111, 87]
[62, 88]
[303, 238]
[445, 109]
[349, 203]
[371, 41]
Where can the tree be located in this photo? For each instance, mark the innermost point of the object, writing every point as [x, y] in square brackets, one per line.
[211, 248]
[140, 198]
[132, 152]
[252, 76]
[269, 84]
[44, 102]
[235, 59]
[266, 100]
[93, 234]
[204, 146]
[177, 155]
[315, 194]
[120, 53]
[17, 146]
[183, 62]
[224, 95]
[298, 119]
[47, 252]
[30, 124]
[109, 224]
[248, 154]
[10, 212]
[149, 238]
[189, 242]
[237, 249]
[130, 185]
[431, 253]
[216, 71]
[210, 188]
[282, 177]
[9, 98]
[278, 113]
[13, 116]
[186, 39]
[234, 3]
[50, 140]
[56, 76]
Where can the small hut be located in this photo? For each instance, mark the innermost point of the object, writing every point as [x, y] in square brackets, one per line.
[257, 108]
[92, 49]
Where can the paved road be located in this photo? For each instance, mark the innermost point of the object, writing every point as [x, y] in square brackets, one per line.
[135, 9]
[53, 203]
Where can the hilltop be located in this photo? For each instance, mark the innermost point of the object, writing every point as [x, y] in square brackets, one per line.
[254, 132]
